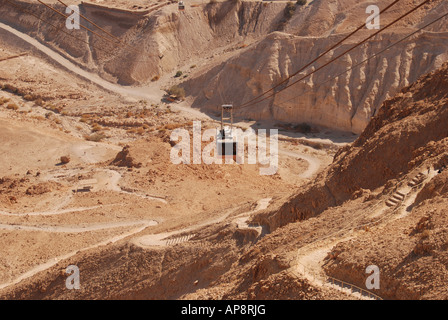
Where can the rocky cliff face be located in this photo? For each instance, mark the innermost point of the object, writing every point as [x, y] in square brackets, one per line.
[152, 42]
[346, 102]
[409, 131]
[162, 40]
[331, 97]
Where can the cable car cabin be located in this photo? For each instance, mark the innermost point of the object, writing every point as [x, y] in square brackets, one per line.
[181, 6]
[225, 140]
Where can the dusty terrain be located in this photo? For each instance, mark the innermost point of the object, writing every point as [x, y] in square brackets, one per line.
[231, 51]
[135, 185]
[86, 177]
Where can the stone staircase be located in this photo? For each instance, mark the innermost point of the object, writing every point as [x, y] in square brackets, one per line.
[396, 198]
[399, 195]
[173, 241]
[417, 179]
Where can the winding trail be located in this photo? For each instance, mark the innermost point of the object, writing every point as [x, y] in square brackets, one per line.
[313, 162]
[52, 212]
[160, 239]
[309, 258]
[56, 260]
[77, 229]
[137, 92]
[141, 93]
[142, 241]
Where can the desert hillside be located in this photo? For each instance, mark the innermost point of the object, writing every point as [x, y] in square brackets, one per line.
[323, 231]
[231, 51]
[331, 97]
[88, 126]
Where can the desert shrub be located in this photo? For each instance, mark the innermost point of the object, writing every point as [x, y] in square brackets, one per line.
[96, 137]
[55, 109]
[21, 92]
[12, 106]
[172, 126]
[96, 127]
[65, 159]
[177, 91]
[301, 2]
[3, 101]
[425, 234]
[129, 114]
[39, 102]
[178, 74]
[140, 130]
[10, 88]
[29, 97]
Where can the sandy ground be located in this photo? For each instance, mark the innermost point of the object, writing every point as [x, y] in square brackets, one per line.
[156, 201]
[119, 188]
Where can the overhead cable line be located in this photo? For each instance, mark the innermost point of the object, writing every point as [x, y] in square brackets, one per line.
[368, 59]
[320, 56]
[105, 31]
[61, 29]
[67, 17]
[337, 57]
[21, 8]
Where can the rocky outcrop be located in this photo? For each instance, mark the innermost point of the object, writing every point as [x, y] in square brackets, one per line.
[408, 131]
[125, 159]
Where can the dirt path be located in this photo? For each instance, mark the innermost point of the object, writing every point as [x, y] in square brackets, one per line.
[138, 93]
[52, 212]
[160, 239]
[309, 259]
[133, 92]
[56, 260]
[145, 241]
[313, 162]
[77, 229]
